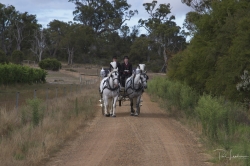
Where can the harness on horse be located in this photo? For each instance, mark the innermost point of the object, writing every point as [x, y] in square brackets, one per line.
[132, 86]
[106, 85]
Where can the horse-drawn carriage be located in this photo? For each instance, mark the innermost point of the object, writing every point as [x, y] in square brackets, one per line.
[111, 90]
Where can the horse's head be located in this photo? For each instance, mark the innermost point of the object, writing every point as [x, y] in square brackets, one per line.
[143, 76]
[114, 77]
[144, 79]
[140, 78]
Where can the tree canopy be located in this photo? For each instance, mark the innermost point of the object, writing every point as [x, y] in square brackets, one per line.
[218, 53]
[100, 32]
[102, 15]
[215, 61]
[163, 31]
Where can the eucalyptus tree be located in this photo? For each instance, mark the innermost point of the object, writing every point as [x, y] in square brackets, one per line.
[139, 50]
[163, 30]
[23, 26]
[124, 31]
[75, 38]
[103, 15]
[134, 32]
[39, 43]
[200, 6]
[55, 32]
[7, 13]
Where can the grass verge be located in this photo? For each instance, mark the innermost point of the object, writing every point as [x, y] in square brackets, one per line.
[224, 127]
[39, 127]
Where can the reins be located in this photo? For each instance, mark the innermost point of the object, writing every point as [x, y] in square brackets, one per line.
[107, 86]
[133, 85]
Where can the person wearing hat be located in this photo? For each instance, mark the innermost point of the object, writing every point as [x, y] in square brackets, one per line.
[126, 70]
[117, 64]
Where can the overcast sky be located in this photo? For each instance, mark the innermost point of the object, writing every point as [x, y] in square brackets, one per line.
[48, 10]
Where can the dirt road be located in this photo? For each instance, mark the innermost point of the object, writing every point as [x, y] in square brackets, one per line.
[153, 138]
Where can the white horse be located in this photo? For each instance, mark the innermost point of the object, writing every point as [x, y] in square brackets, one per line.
[109, 89]
[134, 88]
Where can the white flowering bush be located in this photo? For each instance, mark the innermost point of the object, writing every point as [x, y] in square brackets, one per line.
[245, 82]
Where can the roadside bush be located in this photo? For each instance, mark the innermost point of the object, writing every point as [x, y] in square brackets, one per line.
[226, 124]
[17, 57]
[3, 58]
[37, 110]
[50, 64]
[12, 73]
[213, 116]
[176, 93]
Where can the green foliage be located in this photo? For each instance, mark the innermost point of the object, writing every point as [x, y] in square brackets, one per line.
[50, 64]
[37, 111]
[11, 73]
[212, 114]
[17, 29]
[3, 58]
[219, 50]
[177, 94]
[164, 34]
[17, 57]
[154, 65]
[244, 86]
[226, 124]
[139, 50]
[102, 15]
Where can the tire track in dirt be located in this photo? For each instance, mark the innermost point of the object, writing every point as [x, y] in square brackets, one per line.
[153, 138]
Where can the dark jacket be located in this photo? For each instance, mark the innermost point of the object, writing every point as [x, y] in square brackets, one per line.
[127, 67]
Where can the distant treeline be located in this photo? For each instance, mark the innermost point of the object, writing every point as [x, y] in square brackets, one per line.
[99, 33]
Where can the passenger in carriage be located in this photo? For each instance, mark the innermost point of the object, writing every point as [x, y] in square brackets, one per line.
[126, 70]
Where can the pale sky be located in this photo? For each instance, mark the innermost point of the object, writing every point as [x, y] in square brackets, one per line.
[48, 10]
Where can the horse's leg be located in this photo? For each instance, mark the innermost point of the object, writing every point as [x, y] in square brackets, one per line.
[138, 102]
[110, 106]
[114, 105]
[135, 105]
[105, 98]
[131, 106]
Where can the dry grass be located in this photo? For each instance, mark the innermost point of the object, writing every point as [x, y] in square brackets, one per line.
[23, 143]
[8, 93]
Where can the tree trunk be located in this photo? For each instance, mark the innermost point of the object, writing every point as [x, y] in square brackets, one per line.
[19, 36]
[40, 56]
[54, 53]
[165, 55]
[39, 44]
[148, 57]
[164, 67]
[70, 56]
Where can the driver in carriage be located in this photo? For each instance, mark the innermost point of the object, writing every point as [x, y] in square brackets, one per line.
[126, 71]
[111, 67]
